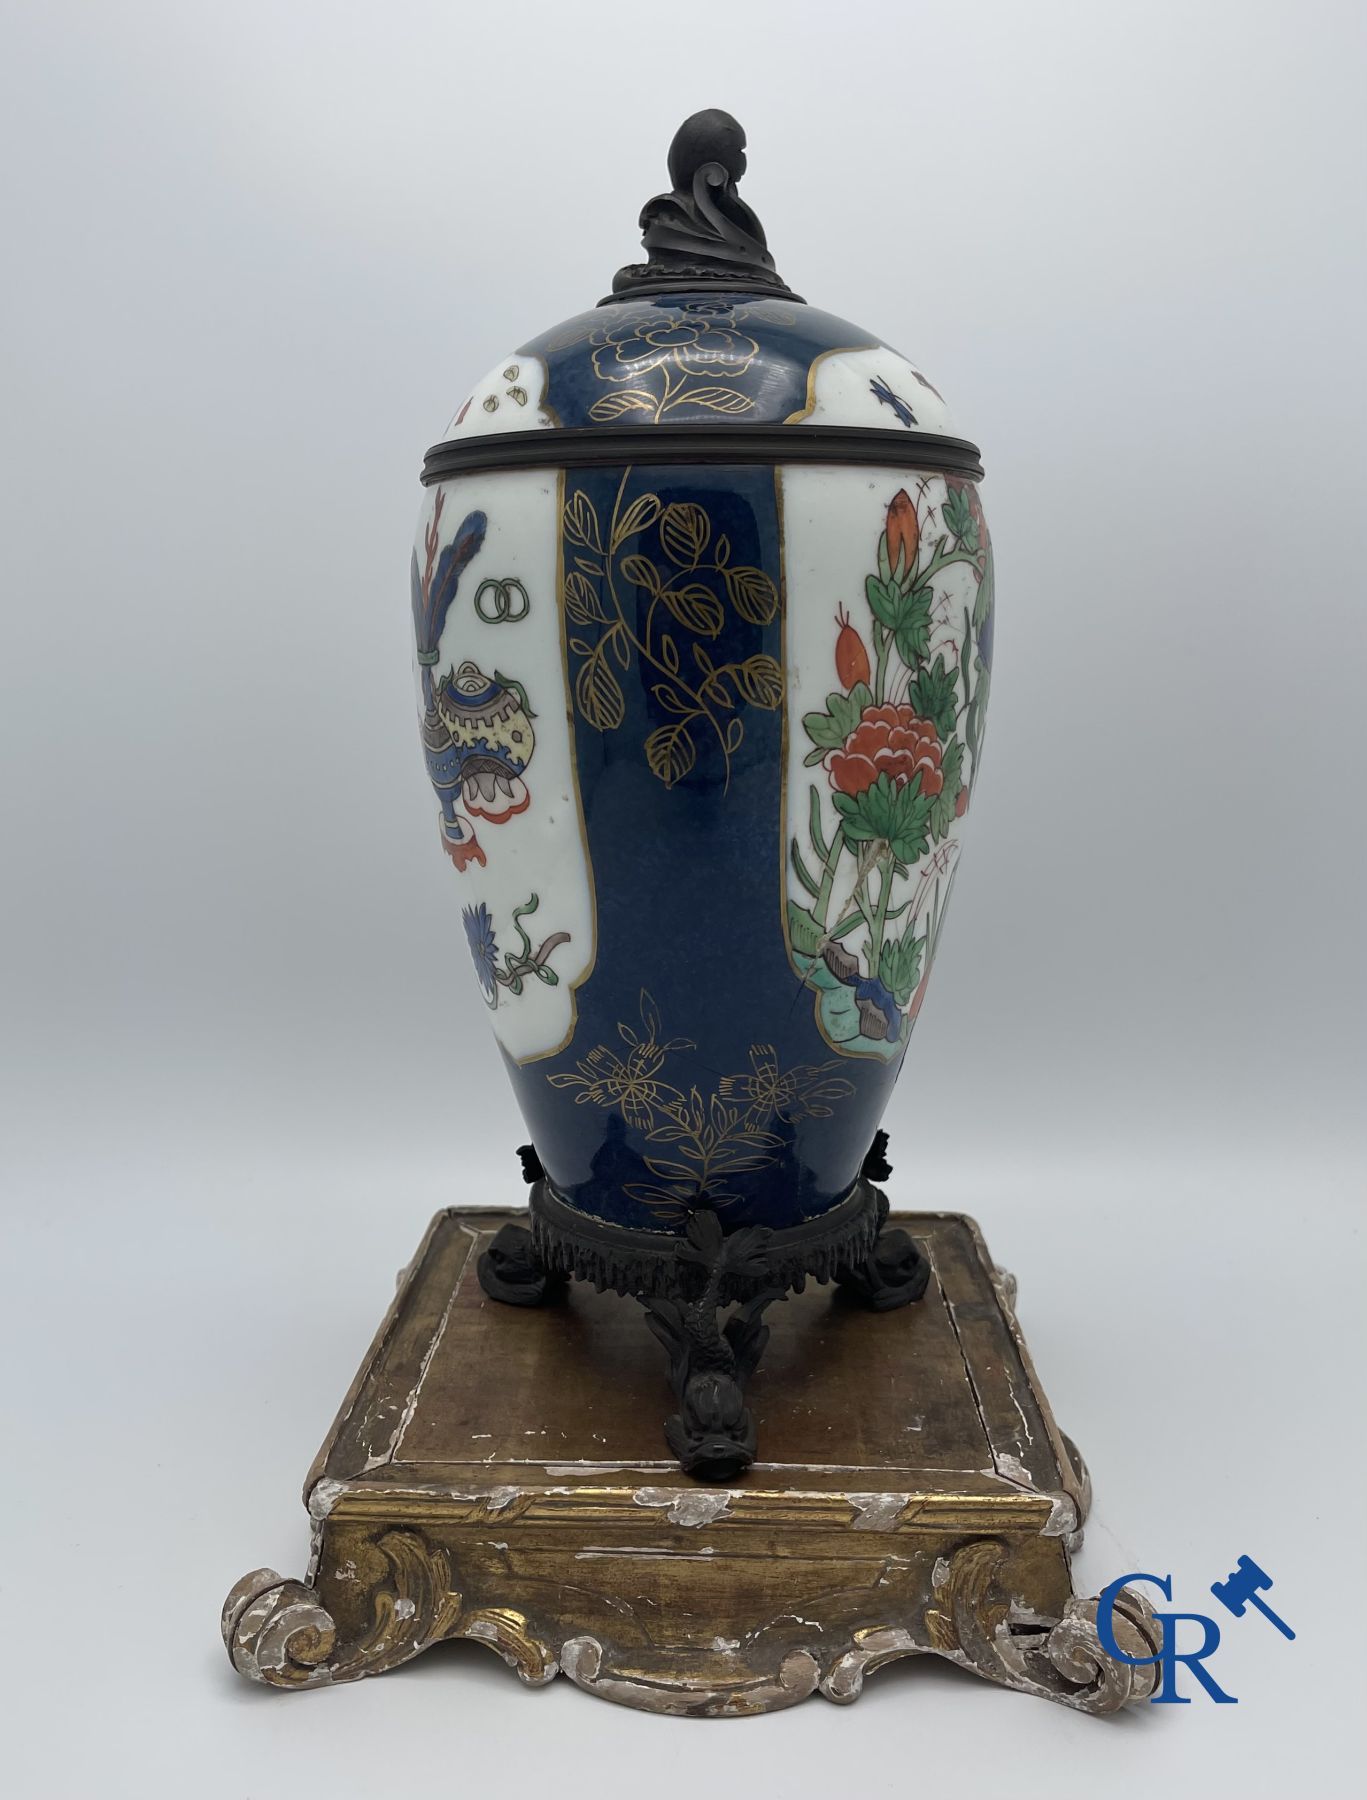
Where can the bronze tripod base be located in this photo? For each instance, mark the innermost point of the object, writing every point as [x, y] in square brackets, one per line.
[686, 1284]
[497, 1475]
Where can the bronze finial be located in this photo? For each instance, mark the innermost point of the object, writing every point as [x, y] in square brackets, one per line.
[702, 233]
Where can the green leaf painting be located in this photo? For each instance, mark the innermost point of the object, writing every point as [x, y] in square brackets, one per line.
[890, 813]
[934, 692]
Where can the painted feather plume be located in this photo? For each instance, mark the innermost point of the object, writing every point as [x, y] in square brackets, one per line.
[435, 589]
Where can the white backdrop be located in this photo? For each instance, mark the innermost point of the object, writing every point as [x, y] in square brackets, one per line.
[255, 254]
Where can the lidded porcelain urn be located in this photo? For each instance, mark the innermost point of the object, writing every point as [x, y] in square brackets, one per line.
[703, 602]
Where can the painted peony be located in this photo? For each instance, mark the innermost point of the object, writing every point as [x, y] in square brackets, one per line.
[888, 740]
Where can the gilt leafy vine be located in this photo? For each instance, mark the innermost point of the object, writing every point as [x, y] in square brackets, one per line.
[671, 552]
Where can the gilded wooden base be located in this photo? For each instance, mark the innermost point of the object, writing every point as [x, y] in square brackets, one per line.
[496, 1474]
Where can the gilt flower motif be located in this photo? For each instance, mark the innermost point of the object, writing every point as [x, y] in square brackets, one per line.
[630, 1081]
[697, 1143]
[769, 1092]
[697, 343]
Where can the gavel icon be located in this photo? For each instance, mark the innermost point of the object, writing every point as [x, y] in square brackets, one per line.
[1241, 1591]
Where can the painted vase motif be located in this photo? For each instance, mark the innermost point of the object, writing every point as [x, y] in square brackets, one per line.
[704, 598]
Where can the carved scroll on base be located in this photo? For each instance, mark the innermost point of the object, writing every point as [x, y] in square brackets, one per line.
[277, 1632]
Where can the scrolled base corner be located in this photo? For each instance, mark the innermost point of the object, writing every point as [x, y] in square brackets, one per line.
[973, 1623]
[1080, 1673]
[276, 1632]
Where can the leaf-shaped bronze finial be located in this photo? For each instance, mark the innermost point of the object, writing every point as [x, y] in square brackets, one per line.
[702, 234]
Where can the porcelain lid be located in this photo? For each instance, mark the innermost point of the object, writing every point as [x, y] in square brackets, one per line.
[702, 353]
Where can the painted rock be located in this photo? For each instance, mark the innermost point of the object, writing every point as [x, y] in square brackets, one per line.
[703, 597]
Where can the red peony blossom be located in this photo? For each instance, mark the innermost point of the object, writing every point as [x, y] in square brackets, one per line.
[888, 740]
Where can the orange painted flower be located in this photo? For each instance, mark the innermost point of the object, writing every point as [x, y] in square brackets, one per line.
[904, 529]
[851, 658]
[888, 740]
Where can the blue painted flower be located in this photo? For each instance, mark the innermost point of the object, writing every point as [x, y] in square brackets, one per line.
[479, 934]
